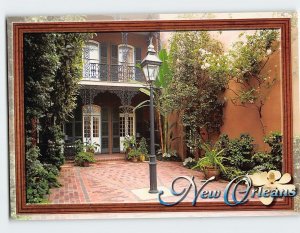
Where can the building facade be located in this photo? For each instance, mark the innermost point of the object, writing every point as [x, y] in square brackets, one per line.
[110, 90]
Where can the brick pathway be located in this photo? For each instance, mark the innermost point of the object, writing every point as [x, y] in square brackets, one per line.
[113, 182]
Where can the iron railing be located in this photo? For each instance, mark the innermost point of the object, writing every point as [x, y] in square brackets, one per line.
[113, 73]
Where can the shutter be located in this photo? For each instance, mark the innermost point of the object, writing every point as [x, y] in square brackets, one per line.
[138, 55]
[103, 53]
[114, 54]
[138, 60]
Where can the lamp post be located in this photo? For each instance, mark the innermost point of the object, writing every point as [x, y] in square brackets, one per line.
[150, 66]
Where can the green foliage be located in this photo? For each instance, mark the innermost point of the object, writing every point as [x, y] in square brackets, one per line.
[79, 146]
[231, 173]
[248, 57]
[129, 142]
[238, 151]
[51, 145]
[241, 157]
[264, 161]
[90, 146]
[39, 177]
[213, 157]
[165, 72]
[83, 157]
[52, 175]
[134, 153]
[52, 71]
[198, 82]
[274, 140]
[143, 146]
[36, 177]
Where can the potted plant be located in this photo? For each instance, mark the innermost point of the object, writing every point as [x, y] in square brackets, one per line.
[143, 149]
[134, 154]
[212, 162]
[83, 159]
[91, 147]
[129, 142]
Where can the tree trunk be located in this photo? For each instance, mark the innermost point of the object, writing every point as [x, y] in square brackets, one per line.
[160, 131]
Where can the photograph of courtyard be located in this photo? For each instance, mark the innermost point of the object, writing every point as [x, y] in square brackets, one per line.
[116, 117]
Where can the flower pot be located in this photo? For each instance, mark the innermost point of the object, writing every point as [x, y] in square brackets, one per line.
[134, 159]
[86, 164]
[210, 172]
[142, 158]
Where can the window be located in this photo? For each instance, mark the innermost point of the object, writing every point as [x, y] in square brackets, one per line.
[91, 58]
[127, 121]
[126, 55]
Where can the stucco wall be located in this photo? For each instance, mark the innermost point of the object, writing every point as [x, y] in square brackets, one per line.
[238, 119]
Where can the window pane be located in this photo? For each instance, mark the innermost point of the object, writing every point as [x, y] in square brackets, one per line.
[87, 127]
[96, 127]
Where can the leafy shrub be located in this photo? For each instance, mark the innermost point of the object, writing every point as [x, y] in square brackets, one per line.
[83, 157]
[213, 158]
[143, 146]
[263, 162]
[274, 140]
[37, 185]
[79, 146]
[52, 175]
[133, 153]
[238, 152]
[189, 162]
[242, 159]
[129, 142]
[231, 173]
[52, 146]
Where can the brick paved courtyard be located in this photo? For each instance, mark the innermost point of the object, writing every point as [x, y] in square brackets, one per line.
[116, 181]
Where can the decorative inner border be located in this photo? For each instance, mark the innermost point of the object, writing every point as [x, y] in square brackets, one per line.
[283, 24]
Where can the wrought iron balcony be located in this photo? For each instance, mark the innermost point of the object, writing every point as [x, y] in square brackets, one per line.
[113, 73]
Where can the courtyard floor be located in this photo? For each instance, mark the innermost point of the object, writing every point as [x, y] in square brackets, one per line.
[120, 181]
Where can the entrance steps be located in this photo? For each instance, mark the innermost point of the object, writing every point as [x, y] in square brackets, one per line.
[109, 157]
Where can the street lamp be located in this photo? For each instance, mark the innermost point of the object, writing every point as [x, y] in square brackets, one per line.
[150, 66]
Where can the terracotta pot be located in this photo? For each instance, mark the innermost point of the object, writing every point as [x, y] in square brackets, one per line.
[86, 164]
[134, 159]
[210, 172]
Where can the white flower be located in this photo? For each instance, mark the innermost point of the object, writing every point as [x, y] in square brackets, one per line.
[269, 51]
[188, 160]
[166, 155]
[272, 180]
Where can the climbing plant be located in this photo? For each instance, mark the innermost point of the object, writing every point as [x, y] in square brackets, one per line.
[248, 58]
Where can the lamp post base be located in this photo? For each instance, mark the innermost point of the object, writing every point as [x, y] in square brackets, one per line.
[153, 191]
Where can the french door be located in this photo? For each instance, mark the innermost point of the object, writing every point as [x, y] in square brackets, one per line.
[127, 123]
[110, 139]
[91, 125]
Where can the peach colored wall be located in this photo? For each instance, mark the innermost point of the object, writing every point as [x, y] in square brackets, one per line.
[239, 119]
